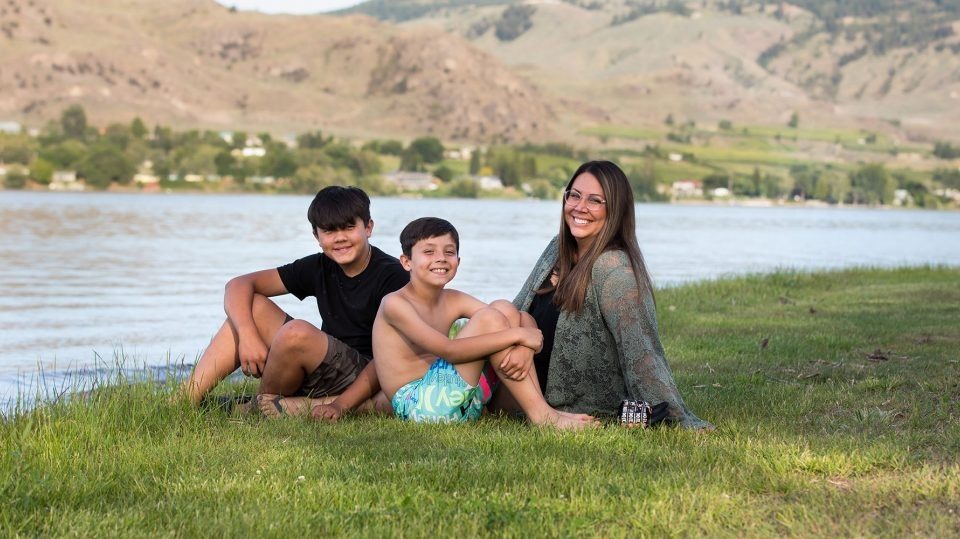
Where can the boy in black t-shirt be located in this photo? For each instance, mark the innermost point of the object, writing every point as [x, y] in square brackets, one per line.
[293, 357]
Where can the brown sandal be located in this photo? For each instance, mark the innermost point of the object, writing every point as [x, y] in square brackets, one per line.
[269, 405]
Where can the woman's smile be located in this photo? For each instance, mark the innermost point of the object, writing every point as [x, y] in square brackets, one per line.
[585, 223]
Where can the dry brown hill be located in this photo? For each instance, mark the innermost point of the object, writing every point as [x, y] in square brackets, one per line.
[748, 61]
[196, 63]
[486, 69]
[637, 72]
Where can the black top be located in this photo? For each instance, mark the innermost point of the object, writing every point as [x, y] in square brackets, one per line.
[546, 315]
[347, 305]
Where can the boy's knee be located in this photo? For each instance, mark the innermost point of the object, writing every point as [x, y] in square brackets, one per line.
[490, 318]
[507, 309]
[297, 334]
[504, 306]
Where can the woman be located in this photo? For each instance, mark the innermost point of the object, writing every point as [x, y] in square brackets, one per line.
[591, 296]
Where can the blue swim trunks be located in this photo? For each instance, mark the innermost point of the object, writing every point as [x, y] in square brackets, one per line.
[441, 396]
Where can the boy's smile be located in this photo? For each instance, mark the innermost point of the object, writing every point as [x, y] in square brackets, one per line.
[433, 260]
[349, 246]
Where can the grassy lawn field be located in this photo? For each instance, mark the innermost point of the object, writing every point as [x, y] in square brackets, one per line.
[836, 396]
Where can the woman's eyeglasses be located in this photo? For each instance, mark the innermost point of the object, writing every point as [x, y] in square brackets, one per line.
[572, 198]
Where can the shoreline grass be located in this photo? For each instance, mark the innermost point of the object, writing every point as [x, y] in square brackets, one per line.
[836, 395]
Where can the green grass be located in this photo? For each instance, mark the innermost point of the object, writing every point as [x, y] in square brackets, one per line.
[815, 438]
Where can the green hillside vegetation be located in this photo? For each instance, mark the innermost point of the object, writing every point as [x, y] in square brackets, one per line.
[113, 156]
[835, 396]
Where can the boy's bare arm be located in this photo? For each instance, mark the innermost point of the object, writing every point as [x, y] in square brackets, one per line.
[400, 314]
[516, 364]
[238, 304]
[364, 387]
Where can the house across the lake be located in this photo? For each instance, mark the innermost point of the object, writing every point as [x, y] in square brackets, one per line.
[687, 188]
[65, 180]
[412, 181]
[488, 183]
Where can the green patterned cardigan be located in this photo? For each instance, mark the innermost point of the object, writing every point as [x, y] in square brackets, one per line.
[611, 350]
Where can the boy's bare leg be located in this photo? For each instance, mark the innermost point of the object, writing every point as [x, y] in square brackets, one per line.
[362, 395]
[278, 405]
[297, 349]
[504, 401]
[271, 405]
[526, 392]
[220, 357]
[486, 320]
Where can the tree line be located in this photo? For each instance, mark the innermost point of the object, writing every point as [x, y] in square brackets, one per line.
[114, 154]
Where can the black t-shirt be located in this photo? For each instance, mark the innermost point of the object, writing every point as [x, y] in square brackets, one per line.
[546, 315]
[347, 305]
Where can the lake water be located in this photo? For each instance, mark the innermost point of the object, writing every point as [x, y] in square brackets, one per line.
[87, 278]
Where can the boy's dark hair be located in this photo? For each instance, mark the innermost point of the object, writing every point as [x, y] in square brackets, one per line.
[426, 228]
[336, 207]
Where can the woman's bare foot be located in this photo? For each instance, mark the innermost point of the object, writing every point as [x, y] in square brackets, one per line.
[581, 417]
[564, 420]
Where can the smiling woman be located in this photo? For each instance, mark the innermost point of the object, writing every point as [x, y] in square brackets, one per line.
[591, 295]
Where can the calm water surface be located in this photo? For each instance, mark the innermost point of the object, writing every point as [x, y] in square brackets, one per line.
[90, 277]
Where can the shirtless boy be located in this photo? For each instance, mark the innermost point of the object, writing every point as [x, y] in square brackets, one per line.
[429, 377]
[291, 357]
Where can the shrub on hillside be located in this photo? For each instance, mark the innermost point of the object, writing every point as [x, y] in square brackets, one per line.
[514, 22]
[945, 150]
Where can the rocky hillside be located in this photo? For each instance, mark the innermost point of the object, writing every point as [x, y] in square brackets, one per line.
[840, 62]
[196, 63]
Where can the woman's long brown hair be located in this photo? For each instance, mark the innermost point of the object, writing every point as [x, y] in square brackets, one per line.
[618, 233]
